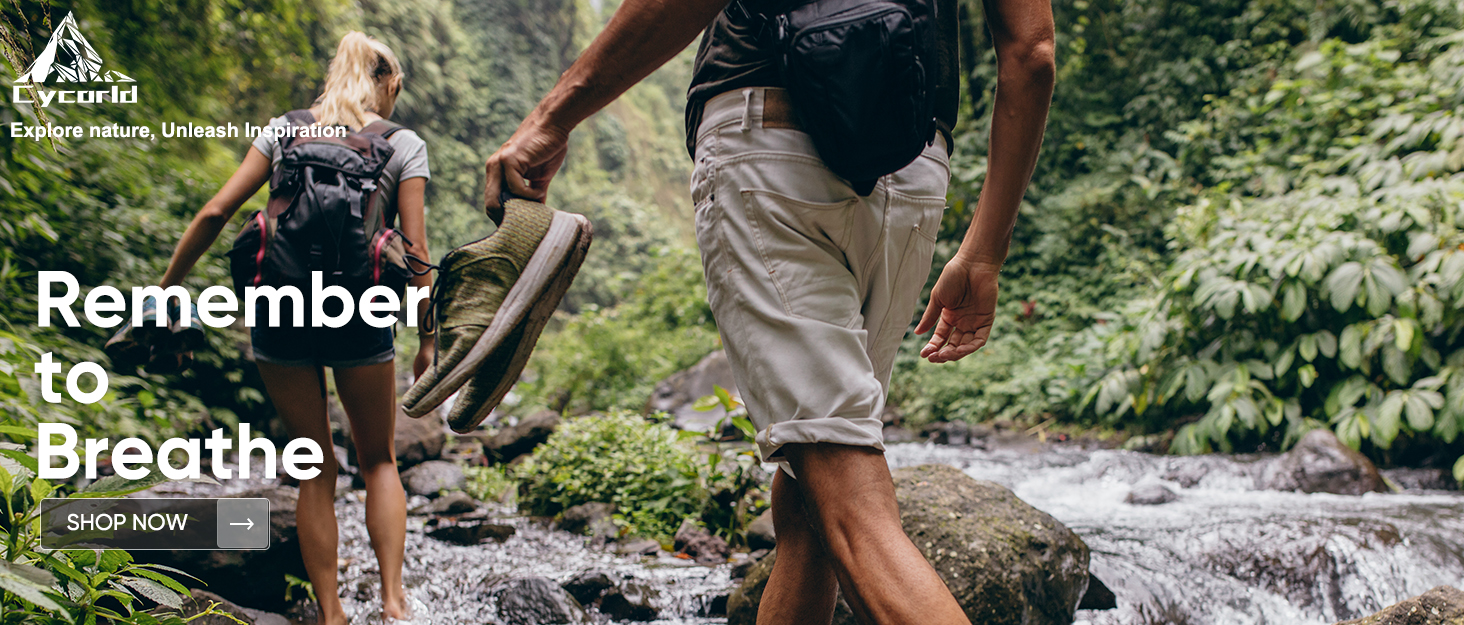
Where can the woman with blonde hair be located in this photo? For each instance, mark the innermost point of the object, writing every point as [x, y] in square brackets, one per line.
[361, 87]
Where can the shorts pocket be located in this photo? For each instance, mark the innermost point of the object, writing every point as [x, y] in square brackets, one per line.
[803, 247]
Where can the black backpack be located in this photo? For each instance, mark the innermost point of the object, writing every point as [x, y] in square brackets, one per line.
[860, 74]
[325, 213]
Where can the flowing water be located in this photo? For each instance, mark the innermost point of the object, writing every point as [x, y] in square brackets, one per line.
[1224, 553]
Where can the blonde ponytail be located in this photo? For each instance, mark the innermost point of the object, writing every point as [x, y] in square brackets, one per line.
[361, 65]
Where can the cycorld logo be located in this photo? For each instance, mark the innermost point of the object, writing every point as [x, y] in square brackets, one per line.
[70, 58]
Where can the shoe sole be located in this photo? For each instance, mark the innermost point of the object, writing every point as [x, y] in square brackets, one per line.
[542, 284]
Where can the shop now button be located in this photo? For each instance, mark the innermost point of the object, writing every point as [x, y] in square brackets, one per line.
[155, 523]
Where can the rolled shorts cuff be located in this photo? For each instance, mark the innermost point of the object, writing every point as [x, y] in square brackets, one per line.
[860, 432]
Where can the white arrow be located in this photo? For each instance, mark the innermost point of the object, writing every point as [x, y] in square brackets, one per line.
[249, 525]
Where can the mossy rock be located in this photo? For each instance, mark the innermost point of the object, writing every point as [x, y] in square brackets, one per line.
[1006, 562]
[1443, 605]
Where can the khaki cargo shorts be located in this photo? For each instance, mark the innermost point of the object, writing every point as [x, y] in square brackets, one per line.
[813, 287]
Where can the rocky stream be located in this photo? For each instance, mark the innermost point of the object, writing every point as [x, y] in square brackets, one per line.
[1177, 540]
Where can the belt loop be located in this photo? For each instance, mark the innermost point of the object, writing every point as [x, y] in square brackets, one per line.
[746, 110]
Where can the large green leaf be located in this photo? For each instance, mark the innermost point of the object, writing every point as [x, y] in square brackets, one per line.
[1344, 284]
[31, 584]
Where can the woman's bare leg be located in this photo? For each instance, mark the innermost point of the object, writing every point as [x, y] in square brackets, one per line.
[297, 396]
[369, 396]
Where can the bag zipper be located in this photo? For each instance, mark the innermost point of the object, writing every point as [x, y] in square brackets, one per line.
[843, 18]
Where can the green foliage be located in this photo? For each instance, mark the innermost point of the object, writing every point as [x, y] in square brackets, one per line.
[619, 458]
[655, 476]
[1321, 280]
[490, 483]
[1243, 225]
[74, 586]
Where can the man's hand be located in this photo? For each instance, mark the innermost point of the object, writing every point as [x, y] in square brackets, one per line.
[962, 308]
[641, 36]
[526, 164]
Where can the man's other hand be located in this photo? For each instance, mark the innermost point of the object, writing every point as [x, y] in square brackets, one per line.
[962, 309]
[525, 165]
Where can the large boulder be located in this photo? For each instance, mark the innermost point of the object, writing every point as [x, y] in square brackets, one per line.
[1443, 605]
[676, 394]
[1005, 561]
[521, 438]
[535, 601]
[760, 533]
[1322, 464]
[432, 477]
[254, 579]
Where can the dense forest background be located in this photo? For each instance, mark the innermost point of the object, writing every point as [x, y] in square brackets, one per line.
[1244, 224]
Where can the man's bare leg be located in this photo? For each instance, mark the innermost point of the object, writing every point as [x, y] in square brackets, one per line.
[802, 587]
[850, 498]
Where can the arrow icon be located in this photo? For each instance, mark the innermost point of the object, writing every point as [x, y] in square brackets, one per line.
[249, 525]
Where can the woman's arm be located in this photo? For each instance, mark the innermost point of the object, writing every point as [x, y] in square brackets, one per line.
[410, 200]
[211, 219]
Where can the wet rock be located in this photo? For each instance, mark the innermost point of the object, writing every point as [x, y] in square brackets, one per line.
[535, 601]
[589, 585]
[629, 601]
[701, 545]
[676, 394]
[1098, 596]
[432, 477]
[254, 578]
[1410, 478]
[472, 533]
[419, 440]
[1005, 561]
[1322, 464]
[199, 600]
[517, 440]
[760, 533]
[717, 606]
[742, 603]
[592, 519]
[456, 502]
[1444, 605]
[640, 546]
[1150, 494]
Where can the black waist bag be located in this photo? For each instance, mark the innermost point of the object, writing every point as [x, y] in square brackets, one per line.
[860, 73]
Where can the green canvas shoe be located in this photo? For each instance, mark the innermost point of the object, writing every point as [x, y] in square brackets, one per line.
[490, 303]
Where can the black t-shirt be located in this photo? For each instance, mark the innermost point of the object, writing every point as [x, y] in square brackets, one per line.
[735, 53]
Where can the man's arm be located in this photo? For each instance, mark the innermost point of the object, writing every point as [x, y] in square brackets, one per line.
[641, 36]
[963, 302]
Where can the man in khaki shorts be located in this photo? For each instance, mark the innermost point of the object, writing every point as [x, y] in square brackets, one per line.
[812, 284]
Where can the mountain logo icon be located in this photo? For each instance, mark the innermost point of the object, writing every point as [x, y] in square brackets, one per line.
[70, 58]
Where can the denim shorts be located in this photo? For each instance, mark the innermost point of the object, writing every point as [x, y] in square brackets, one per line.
[355, 344]
[813, 286]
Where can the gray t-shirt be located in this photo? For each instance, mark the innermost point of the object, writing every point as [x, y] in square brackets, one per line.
[408, 159]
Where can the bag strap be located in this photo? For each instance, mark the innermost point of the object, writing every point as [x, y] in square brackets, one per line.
[381, 127]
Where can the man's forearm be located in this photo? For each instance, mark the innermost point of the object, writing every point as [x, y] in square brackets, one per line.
[641, 36]
[1023, 96]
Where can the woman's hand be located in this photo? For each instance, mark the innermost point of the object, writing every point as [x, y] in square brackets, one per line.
[426, 352]
[962, 309]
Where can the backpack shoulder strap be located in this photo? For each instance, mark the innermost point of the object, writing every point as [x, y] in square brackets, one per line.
[301, 117]
[382, 127]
